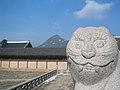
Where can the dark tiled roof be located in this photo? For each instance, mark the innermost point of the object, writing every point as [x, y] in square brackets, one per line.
[32, 51]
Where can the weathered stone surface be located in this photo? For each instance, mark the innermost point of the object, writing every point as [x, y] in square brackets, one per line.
[93, 59]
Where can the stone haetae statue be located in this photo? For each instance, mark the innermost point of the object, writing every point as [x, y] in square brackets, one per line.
[93, 59]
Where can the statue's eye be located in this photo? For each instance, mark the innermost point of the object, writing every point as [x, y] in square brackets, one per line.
[79, 44]
[99, 43]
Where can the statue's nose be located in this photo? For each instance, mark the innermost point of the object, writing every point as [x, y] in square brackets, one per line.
[88, 51]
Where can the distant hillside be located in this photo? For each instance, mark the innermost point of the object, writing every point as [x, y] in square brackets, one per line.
[54, 42]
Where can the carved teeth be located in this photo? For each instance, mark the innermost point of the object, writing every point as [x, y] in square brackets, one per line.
[90, 67]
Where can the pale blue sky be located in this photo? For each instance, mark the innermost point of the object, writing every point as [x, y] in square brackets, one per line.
[37, 20]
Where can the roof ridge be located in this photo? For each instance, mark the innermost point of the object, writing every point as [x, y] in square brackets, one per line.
[20, 41]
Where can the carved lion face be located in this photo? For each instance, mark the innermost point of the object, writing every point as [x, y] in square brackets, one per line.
[92, 54]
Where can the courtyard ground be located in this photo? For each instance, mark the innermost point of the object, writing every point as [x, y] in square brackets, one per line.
[62, 82]
[9, 78]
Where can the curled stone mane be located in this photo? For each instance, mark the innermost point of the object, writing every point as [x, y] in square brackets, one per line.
[92, 55]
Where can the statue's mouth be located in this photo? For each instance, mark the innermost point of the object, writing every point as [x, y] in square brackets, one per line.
[88, 66]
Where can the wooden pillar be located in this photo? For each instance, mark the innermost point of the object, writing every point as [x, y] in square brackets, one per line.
[9, 63]
[46, 63]
[36, 63]
[18, 64]
[1, 63]
[57, 64]
[27, 64]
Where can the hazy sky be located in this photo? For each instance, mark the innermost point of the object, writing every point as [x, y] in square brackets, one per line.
[37, 20]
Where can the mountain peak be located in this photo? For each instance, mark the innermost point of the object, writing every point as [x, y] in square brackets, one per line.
[55, 36]
[54, 42]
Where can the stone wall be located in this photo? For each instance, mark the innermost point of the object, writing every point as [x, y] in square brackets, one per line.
[34, 64]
